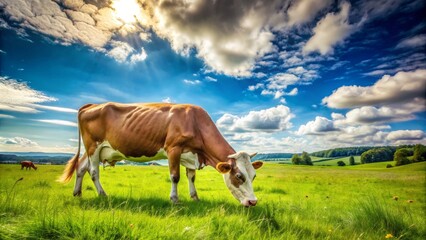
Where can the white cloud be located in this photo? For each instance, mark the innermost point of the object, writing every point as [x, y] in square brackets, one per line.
[211, 79]
[57, 122]
[167, 100]
[229, 37]
[401, 88]
[405, 135]
[413, 42]
[267, 120]
[19, 97]
[57, 109]
[6, 116]
[139, 57]
[305, 10]
[120, 51]
[21, 144]
[320, 125]
[293, 92]
[397, 113]
[276, 84]
[17, 141]
[123, 52]
[329, 31]
[192, 82]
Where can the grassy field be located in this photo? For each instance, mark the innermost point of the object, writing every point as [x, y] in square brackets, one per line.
[295, 202]
[333, 162]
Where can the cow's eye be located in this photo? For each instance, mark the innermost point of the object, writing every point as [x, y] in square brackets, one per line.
[240, 176]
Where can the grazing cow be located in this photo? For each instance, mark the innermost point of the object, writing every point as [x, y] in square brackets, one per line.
[184, 134]
[28, 164]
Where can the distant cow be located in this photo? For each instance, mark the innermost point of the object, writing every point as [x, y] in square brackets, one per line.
[28, 164]
[182, 133]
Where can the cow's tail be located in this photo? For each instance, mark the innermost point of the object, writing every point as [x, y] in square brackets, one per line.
[72, 163]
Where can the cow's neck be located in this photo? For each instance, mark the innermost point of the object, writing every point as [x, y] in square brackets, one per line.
[216, 148]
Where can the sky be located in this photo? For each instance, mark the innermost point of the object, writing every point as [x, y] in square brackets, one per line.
[275, 76]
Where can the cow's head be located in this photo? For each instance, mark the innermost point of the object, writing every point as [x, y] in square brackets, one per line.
[239, 174]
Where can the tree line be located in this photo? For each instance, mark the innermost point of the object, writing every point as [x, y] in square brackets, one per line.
[343, 152]
[402, 155]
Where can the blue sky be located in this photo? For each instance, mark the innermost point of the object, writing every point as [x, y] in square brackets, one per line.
[286, 76]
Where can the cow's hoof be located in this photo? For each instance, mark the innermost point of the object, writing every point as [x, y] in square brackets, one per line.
[174, 199]
[77, 194]
[195, 197]
[102, 194]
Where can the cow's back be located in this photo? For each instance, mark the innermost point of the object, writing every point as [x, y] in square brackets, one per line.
[133, 129]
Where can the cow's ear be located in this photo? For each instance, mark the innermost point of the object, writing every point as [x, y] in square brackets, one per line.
[257, 164]
[252, 155]
[223, 167]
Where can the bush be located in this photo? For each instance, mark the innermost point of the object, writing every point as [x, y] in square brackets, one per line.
[352, 160]
[296, 159]
[341, 163]
[401, 157]
[389, 165]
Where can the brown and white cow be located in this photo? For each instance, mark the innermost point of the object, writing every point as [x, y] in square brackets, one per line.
[182, 133]
[28, 165]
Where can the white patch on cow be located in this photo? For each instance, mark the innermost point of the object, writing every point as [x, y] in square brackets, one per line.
[244, 193]
[109, 154]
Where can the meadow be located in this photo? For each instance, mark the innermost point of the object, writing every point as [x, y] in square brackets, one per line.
[295, 202]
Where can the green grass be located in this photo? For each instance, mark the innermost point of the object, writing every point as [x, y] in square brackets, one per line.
[333, 161]
[295, 202]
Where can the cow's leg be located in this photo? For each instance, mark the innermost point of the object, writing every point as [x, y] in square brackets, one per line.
[83, 167]
[174, 167]
[190, 174]
[94, 171]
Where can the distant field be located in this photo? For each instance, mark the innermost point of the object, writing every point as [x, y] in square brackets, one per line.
[333, 162]
[295, 202]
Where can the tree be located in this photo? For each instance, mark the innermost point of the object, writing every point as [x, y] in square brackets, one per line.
[419, 153]
[341, 163]
[377, 155]
[296, 159]
[401, 157]
[351, 160]
[306, 159]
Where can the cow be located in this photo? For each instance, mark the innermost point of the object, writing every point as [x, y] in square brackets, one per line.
[182, 133]
[28, 165]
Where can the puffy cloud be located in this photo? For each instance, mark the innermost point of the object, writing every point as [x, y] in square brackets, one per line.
[266, 120]
[320, 125]
[17, 141]
[369, 114]
[329, 31]
[249, 141]
[405, 135]
[21, 144]
[228, 35]
[305, 10]
[276, 84]
[77, 22]
[401, 88]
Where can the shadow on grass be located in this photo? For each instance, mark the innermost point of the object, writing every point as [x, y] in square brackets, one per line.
[157, 206]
